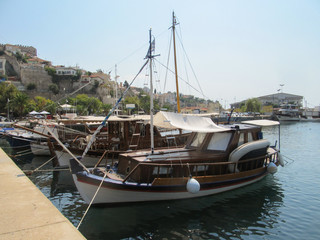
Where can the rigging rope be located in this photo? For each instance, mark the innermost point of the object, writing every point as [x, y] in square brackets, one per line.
[94, 196]
[191, 66]
[183, 80]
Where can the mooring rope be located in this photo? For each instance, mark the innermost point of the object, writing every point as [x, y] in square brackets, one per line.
[94, 196]
[37, 169]
[287, 163]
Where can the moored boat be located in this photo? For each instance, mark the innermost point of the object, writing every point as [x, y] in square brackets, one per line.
[215, 159]
[288, 112]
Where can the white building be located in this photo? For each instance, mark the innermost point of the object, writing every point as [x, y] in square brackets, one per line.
[66, 71]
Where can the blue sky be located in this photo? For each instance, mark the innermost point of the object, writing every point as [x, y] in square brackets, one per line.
[237, 49]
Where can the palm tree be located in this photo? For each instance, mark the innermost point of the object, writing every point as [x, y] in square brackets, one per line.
[20, 103]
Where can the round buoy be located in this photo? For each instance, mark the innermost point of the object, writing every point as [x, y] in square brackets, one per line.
[272, 168]
[280, 159]
[193, 186]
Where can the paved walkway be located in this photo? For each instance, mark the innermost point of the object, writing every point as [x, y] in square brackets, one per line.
[25, 213]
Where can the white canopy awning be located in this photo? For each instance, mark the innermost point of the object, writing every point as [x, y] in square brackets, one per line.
[170, 120]
[33, 113]
[44, 112]
[262, 122]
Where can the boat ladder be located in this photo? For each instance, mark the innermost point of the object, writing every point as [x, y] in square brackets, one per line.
[135, 138]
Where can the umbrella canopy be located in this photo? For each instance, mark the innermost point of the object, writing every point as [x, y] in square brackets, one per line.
[66, 106]
[33, 112]
[44, 112]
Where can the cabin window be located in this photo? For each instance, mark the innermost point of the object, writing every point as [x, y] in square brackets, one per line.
[198, 140]
[250, 137]
[219, 141]
[162, 170]
[241, 139]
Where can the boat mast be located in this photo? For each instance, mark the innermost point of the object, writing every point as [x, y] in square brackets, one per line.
[116, 78]
[174, 22]
[151, 93]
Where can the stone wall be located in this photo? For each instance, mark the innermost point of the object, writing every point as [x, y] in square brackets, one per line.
[37, 75]
[12, 66]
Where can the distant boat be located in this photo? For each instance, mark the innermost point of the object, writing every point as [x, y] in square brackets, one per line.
[288, 112]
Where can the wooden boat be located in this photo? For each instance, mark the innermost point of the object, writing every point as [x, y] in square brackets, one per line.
[122, 133]
[215, 159]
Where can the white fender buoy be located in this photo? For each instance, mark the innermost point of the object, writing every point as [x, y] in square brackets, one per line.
[193, 186]
[272, 168]
[280, 159]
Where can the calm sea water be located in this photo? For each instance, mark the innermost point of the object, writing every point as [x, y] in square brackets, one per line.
[283, 206]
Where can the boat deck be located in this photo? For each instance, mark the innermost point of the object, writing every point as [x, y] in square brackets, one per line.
[25, 212]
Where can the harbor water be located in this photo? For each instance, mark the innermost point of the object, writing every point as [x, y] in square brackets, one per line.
[285, 205]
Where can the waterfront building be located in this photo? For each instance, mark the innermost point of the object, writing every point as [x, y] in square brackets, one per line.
[274, 99]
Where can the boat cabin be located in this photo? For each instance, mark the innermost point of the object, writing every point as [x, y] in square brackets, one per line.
[205, 153]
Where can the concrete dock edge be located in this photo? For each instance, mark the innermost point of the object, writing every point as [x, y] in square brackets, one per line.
[25, 213]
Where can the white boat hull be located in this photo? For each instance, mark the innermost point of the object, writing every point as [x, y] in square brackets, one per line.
[110, 195]
[287, 118]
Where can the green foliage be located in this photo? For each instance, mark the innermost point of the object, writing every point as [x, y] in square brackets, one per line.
[40, 104]
[7, 91]
[54, 88]
[133, 100]
[51, 71]
[31, 86]
[20, 104]
[253, 105]
[21, 58]
[95, 86]
[105, 108]
[143, 101]
[87, 105]
[126, 84]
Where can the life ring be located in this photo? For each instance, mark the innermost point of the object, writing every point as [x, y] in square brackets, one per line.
[243, 149]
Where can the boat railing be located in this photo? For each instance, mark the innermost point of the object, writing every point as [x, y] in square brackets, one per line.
[178, 170]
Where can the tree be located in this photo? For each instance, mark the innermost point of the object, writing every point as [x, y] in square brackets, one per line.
[20, 103]
[145, 104]
[54, 88]
[105, 108]
[126, 84]
[31, 86]
[51, 71]
[133, 100]
[253, 105]
[87, 105]
[39, 103]
[7, 92]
